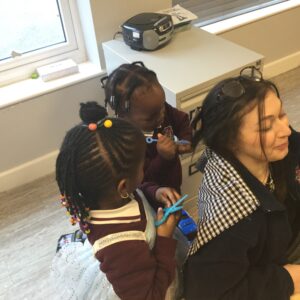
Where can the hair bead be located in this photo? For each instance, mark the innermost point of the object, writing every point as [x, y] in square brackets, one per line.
[120, 85]
[107, 123]
[85, 156]
[92, 126]
[73, 221]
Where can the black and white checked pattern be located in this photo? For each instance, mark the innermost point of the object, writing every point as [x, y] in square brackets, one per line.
[224, 199]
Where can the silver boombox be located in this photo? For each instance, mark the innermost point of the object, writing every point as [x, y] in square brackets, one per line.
[148, 31]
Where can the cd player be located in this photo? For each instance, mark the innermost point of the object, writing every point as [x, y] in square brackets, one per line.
[147, 31]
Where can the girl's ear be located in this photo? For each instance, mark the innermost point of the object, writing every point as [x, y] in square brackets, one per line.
[122, 188]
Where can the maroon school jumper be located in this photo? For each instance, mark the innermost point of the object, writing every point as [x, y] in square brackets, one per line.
[135, 271]
[157, 169]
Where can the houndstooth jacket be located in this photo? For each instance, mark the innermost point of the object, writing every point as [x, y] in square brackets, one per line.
[224, 198]
[244, 232]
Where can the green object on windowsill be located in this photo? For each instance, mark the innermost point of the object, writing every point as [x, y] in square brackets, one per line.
[34, 75]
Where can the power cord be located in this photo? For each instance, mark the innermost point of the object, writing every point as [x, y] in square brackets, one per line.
[117, 33]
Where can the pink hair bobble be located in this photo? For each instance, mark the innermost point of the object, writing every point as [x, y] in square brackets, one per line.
[92, 126]
[107, 123]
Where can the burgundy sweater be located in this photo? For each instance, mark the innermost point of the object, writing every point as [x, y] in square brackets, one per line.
[157, 169]
[135, 271]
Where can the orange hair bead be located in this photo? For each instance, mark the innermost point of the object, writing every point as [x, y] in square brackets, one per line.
[92, 126]
[73, 221]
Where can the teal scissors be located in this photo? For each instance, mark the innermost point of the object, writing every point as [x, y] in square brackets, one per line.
[150, 140]
[170, 210]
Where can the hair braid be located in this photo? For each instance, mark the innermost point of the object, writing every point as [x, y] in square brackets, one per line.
[221, 117]
[122, 83]
[91, 163]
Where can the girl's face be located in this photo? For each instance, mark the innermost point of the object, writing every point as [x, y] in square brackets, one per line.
[147, 107]
[275, 133]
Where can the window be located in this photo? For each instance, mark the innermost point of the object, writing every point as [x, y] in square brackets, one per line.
[35, 33]
[211, 11]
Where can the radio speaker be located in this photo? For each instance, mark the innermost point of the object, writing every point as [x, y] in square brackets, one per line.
[150, 39]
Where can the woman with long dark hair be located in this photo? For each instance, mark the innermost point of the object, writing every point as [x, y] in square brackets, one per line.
[249, 199]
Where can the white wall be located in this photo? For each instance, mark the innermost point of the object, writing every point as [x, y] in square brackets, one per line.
[108, 16]
[276, 37]
[31, 131]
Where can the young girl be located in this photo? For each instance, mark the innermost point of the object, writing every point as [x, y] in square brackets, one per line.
[249, 199]
[134, 93]
[98, 169]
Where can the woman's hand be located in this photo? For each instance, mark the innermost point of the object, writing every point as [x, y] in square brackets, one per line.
[166, 196]
[166, 148]
[167, 228]
[294, 271]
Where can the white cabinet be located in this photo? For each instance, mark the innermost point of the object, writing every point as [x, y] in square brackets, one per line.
[187, 67]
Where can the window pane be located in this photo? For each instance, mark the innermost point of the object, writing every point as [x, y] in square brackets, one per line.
[29, 25]
[210, 11]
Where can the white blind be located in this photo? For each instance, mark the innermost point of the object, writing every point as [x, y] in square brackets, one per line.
[211, 11]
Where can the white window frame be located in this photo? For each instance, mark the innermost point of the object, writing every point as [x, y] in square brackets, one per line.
[238, 12]
[243, 19]
[21, 67]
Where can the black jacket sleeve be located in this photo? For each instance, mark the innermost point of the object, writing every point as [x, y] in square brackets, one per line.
[223, 269]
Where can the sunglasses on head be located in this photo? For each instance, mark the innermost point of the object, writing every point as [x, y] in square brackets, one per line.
[234, 88]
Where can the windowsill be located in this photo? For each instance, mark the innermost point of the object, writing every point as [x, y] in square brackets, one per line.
[30, 88]
[229, 24]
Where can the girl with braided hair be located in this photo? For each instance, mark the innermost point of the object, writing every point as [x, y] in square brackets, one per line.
[135, 94]
[98, 170]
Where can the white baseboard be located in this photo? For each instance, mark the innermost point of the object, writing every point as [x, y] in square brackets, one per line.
[282, 65]
[28, 172]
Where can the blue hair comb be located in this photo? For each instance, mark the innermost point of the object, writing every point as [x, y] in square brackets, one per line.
[150, 140]
[170, 210]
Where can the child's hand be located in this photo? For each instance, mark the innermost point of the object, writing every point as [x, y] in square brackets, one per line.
[181, 149]
[166, 148]
[167, 196]
[167, 228]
